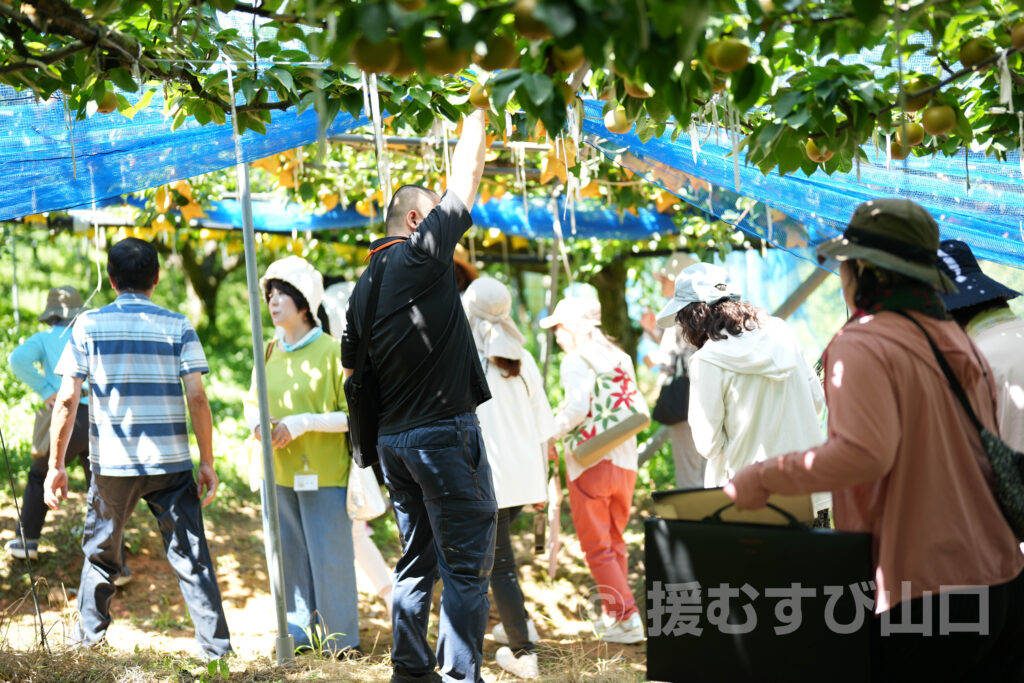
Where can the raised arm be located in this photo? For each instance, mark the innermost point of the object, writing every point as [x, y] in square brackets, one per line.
[468, 159]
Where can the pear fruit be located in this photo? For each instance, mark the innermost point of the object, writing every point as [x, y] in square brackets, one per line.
[373, 57]
[975, 51]
[440, 59]
[567, 60]
[938, 119]
[1017, 36]
[818, 155]
[919, 102]
[617, 121]
[480, 96]
[501, 53]
[108, 104]
[728, 54]
[527, 24]
[910, 134]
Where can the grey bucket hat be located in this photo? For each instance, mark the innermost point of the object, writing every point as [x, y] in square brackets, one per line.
[894, 234]
[701, 282]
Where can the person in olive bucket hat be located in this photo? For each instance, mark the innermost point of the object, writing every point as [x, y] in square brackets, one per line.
[905, 464]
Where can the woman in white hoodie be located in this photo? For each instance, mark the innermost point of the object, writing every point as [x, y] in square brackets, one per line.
[752, 394]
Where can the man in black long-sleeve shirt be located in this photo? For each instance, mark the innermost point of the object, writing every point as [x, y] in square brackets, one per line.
[430, 382]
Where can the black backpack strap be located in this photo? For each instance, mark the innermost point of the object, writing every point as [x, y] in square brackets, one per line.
[362, 351]
[954, 383]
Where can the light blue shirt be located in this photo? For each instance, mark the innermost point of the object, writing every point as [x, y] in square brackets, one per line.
[42, 349]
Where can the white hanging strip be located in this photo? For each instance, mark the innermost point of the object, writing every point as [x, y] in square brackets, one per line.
[734, 133]
[771, 224]
[1005, 85]
[508, 124]
[714, 122]
[447, 157]
[694, 142]
[366, 95]
[380, 147]
[888, 151]
[560, 238]
[522, 181]
[1020, 141]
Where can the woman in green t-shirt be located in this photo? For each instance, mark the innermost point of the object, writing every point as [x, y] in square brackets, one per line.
[311, 461]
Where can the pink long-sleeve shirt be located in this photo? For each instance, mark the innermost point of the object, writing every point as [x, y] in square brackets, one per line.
[904, 461]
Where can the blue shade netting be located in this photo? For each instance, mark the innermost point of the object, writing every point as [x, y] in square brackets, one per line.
[52, 163]
[987, 212]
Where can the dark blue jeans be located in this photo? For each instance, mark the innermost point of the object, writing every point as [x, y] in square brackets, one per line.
[173, 499]
[443, 497]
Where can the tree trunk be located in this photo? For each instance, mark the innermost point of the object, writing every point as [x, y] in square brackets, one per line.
[205, 270]
[610, 283]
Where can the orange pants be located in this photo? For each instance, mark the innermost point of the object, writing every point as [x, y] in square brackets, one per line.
[600, 499]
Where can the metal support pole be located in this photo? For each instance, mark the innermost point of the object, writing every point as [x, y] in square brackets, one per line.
[801, 293]
[268, 492]
[14, 279]
[552, 300]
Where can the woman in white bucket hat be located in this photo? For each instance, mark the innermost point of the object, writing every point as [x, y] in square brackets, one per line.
[311, 461]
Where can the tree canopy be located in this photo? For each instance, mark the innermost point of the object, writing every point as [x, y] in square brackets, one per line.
[783, 72]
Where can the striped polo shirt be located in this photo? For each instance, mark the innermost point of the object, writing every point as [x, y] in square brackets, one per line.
[134, 353]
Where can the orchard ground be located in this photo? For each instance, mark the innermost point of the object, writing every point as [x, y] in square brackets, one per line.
[150, 638]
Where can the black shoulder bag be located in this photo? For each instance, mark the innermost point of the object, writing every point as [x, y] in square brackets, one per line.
[1007, 464]
[361, 389]
[673, 404]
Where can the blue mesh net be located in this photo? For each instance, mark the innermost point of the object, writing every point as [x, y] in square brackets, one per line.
[51, 162]
[973, 198]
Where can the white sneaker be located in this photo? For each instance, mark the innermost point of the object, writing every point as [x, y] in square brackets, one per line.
[500, 636]
[626, 631]
[524, 666]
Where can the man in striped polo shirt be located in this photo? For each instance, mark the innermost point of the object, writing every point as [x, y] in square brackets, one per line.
[136, 356]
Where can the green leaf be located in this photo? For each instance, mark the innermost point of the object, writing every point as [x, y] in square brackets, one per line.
[746, 86]
[267, 48]
[212, 668]
[282, 76]
[122, 78]
[558, 17]
[867, 10]
[645, 128]
[307, 191]
[225, 668]
[223, 5]
[538, 88]
[505, 84]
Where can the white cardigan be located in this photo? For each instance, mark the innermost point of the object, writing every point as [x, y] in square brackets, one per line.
[516, 425]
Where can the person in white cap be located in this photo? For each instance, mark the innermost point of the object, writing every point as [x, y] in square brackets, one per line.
[752, 394]
[672, 358]
[600, 496]
[311, 461]
[516, 425]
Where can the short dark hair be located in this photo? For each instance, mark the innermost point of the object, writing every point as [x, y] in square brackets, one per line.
[701, 322]
[509, 367]
[405, 198]
[133, 264]
[289, 291]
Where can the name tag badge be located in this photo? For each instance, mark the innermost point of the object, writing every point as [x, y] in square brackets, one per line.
[306, 482]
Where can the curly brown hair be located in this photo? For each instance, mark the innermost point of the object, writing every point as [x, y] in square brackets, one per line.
[701, 322]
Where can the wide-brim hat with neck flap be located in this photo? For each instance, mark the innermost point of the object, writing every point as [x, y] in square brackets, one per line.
[300, 274]
[893, 234]
[62, 303]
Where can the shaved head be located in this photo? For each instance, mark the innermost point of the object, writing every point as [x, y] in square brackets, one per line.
[407, 199]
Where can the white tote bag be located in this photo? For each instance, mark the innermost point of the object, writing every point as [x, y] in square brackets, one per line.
[363, 499]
